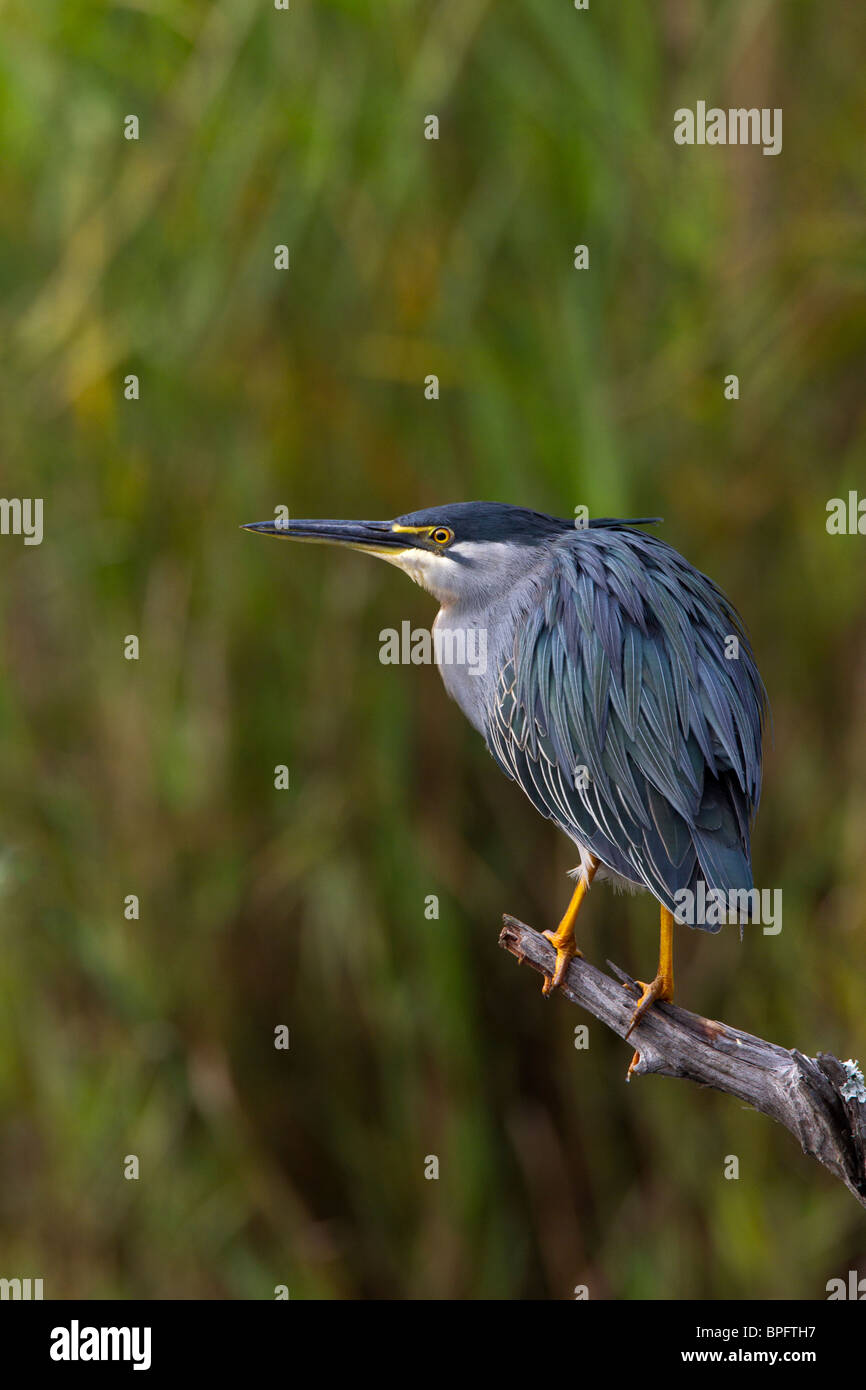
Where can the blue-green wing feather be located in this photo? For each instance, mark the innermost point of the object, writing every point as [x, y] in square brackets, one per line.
[622, 668]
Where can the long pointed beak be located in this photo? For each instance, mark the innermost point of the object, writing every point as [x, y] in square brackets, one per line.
[374, 536]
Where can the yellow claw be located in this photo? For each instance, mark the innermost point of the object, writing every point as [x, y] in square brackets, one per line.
[565, 954]
[563, 937]
[662, 987]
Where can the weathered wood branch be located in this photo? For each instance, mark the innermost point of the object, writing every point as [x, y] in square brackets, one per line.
[821, 1100]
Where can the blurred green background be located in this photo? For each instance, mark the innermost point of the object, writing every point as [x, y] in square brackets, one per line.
[409, 1037]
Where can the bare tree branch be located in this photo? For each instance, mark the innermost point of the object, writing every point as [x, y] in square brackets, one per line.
[819, 1099]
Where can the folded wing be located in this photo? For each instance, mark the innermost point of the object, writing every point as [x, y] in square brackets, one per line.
[630, 711]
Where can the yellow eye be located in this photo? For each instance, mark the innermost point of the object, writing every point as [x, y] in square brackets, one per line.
[442, 536]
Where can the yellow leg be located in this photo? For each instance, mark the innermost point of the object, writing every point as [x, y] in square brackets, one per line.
[563, 937]
[662, 987]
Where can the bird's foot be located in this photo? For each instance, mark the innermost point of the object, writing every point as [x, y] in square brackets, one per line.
[661, 989]
[565, 954]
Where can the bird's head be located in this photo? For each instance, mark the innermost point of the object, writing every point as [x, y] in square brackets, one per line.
[458, 553]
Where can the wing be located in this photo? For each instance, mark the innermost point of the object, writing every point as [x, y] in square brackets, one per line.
[622, 718]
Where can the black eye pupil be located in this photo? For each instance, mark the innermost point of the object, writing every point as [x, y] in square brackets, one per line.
[441, 536]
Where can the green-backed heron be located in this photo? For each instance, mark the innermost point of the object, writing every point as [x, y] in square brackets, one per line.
[618, 688]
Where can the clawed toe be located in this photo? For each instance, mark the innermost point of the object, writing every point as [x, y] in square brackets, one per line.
[657, 989]
[565, 954]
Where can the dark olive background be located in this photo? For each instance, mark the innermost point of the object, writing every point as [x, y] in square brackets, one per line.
[409, 1037]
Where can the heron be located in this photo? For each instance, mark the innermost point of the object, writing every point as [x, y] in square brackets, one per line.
[619, 690]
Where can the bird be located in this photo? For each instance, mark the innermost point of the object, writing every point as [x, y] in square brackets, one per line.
[610, 679]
